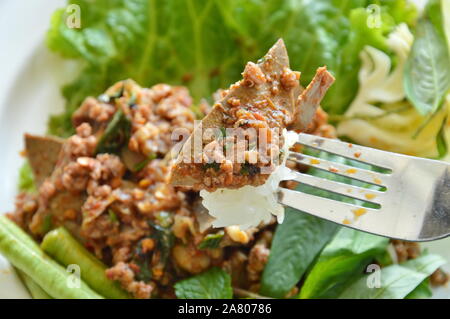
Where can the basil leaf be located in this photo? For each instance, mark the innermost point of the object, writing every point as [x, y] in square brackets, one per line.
[211, 241]
[212, 284]
[397, 281]
[422, 291]
[427, 70]
[344, 258]
[296, 243]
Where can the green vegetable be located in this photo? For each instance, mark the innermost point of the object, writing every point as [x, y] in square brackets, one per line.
[213, 165]
[142, 260]
[65, 249]
[341, 261]
[24, 254]
[112, 216]
[360, 34]
[164, 240]
[34, 289]
[434, 12]
[116, 134]
[427, 70]
[211, 241]
[249, 169]
[296, 243]
[422, 291]
[212, 284]
[11, 226]
[26, 178]
[397, 281]
[144, 40]
[143, 163]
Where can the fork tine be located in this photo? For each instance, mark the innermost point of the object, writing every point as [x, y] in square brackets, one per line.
[335, 211]
[354, 152]
[360, 174]
[360, 193]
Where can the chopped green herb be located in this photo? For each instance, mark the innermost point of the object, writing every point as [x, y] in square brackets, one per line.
[223, 130]
[116, 134]
[211, 241]
[214, 165]
[142, 260]
[143, 163]
[164, 239]
[250, 169]
[112, 216]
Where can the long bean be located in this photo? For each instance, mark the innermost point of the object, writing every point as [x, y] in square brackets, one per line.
[24, 237]
[24, 254]
[33, 288]
[60, 245]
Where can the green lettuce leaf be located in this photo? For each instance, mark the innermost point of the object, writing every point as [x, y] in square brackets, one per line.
[341, 261]
[212, 284]
[397, 281]
[205, 44]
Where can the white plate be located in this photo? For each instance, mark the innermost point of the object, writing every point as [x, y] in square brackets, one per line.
[30, 84]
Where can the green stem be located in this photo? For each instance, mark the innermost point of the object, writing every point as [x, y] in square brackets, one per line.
[26, 255]
[65, 249]
[33, 288]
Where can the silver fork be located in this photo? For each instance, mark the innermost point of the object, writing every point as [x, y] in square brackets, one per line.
[413, 196]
